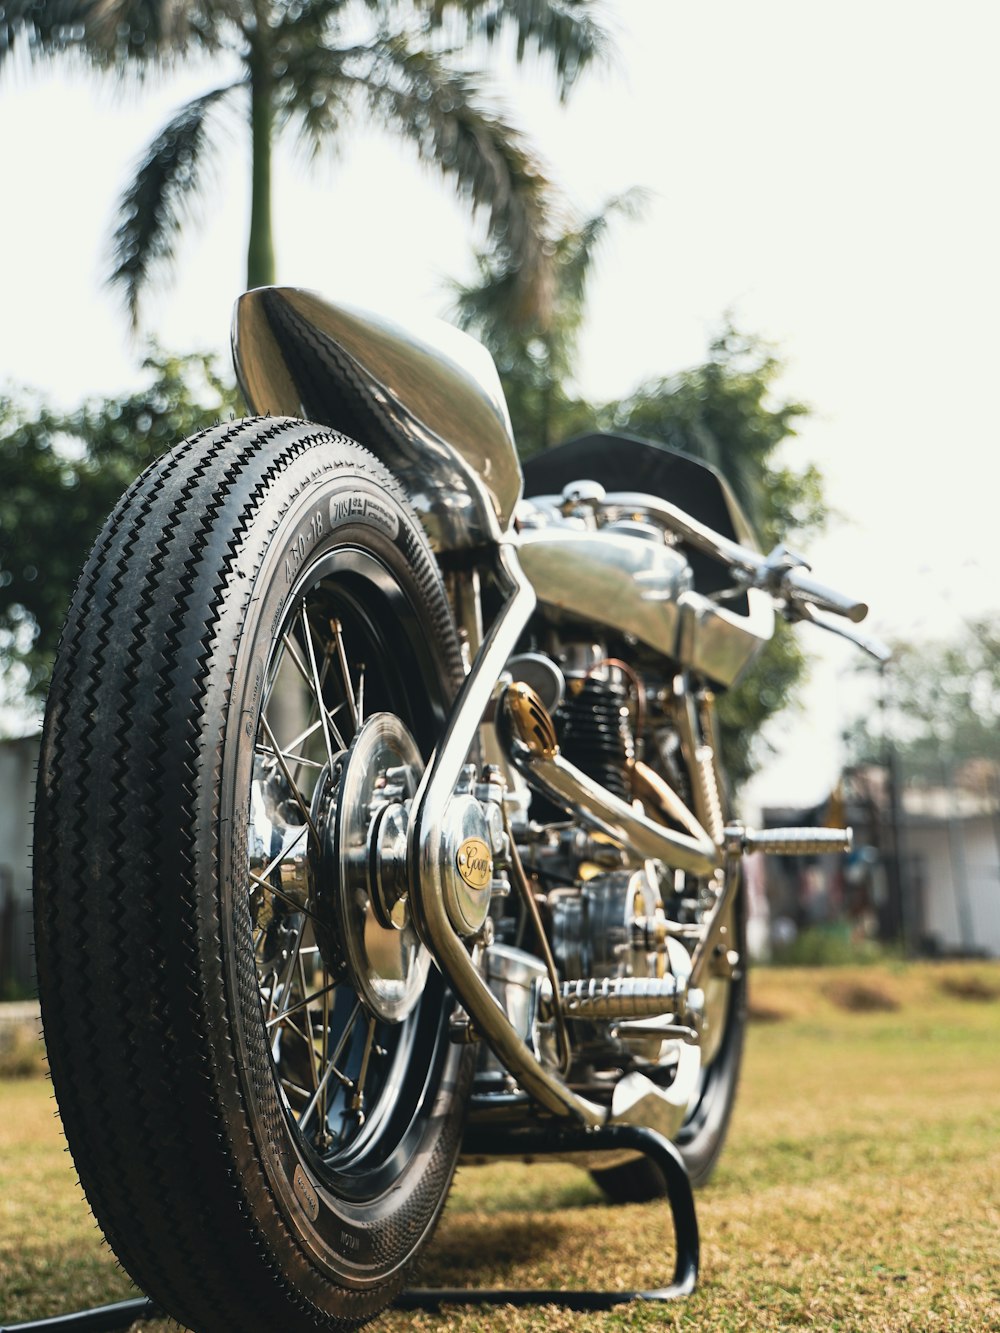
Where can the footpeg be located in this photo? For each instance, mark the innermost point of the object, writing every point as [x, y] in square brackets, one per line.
[614, 998]
[788, 841]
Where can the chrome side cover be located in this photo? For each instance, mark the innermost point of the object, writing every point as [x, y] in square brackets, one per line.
[428, 404]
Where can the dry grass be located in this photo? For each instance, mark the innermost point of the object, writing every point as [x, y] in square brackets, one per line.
[859, 1191]
[22, 1054]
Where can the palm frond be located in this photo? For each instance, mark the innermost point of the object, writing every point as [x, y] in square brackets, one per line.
[489, 161]
[567, 31]
[488, 302]
[44, 26]
[115, 33]
[157, 201]
[576, 249]
[316, 91]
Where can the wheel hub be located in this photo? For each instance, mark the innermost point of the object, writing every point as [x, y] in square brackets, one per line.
[361, 894]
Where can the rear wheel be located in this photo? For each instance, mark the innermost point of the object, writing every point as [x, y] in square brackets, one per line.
[252, 1066]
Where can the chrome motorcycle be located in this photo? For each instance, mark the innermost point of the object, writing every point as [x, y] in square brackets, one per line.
[381, 806]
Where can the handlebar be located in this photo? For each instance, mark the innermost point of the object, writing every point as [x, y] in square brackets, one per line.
[800, 587]
[781, 573]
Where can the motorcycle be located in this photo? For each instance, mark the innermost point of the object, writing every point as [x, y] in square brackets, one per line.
[380, 812]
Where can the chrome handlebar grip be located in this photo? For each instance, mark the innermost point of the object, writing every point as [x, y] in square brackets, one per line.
[779, 573]
[800, 587]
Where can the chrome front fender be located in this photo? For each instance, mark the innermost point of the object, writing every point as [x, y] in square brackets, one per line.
[428, 403]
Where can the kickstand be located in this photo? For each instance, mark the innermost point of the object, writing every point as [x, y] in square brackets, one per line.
[491, 1142]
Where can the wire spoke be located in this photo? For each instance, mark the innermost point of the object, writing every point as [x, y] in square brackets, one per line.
[275, 672]
[317, 684]
[331, 1068]
[267, 984]
[310, 1040]
[303, 1003]
[285, 898]
[329, 650]
[358, 1100]
[299, 799]
[302, 736]
[292, 1027]
[284, 986]
[298, 759]
[360, 706]
[273, 865]
[338, 635]
[324, 712]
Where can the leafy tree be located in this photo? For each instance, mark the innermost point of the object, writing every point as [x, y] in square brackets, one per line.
[727, 411]
[61, 474]
[942, 709]
[306, 68]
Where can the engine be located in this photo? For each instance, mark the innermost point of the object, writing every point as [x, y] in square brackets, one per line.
[604, 917]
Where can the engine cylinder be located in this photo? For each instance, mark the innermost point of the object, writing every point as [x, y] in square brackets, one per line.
[595, 733]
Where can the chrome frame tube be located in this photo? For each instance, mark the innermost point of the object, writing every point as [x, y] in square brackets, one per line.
[713, 926]
[569, 787]
[690, 732]
[426, 850]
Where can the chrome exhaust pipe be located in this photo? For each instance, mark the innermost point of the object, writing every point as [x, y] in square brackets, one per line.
[528, 737]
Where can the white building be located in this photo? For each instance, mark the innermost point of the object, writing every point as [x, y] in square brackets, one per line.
[950, 853]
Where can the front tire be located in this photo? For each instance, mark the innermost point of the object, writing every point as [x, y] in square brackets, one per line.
[264, 1146]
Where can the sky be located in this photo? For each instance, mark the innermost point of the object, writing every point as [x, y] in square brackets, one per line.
[827, 174]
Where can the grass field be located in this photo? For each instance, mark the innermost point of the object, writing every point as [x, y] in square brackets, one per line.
[860, 1189]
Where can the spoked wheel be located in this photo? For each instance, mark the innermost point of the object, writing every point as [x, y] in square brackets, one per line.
[247, 1042]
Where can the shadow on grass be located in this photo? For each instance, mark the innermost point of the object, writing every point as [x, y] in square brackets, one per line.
[860, 997]
[970, 986]
[486, 1252]
[542, 1186]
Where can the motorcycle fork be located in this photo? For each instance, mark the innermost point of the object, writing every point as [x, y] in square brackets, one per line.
[696, 724]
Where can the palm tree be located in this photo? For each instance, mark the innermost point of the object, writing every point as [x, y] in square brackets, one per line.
[305, 67]
[535, 348]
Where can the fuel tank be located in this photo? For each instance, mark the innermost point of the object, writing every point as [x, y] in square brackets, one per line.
[427, 402]
[609, 579]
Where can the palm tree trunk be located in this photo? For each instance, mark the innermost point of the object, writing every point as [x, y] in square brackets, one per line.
[260, 251]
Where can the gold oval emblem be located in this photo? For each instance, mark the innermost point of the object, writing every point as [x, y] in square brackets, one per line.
[475, 864]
